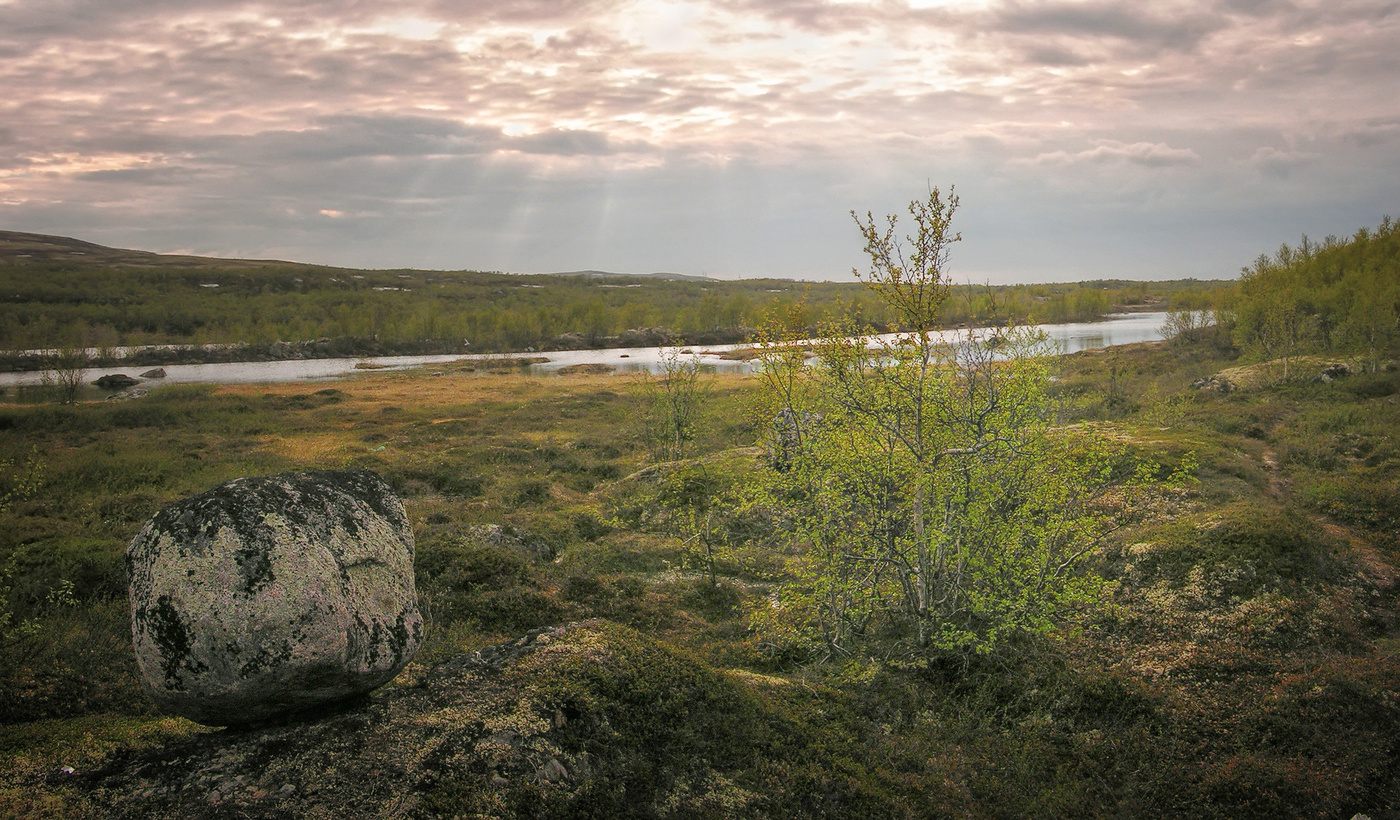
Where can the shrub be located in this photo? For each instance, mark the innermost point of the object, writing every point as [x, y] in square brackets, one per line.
[1246, 548]
[1372, 385]
[1374, 504]
[531, 492]
[465, 564]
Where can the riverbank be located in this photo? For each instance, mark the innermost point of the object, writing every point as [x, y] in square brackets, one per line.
[31, 361]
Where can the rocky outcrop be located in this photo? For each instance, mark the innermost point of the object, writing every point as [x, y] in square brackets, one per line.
[127, 395]
[1260, 375]
[466, 725]
[508, 537]
[570, 341]
[1214, 384]
[1333, 372]
[586, 720]
[270, 595]
[643, 337]
[116, 381]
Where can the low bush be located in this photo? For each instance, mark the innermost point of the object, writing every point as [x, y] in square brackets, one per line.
[531, 492]
[1373, 504]
[1373, 385]
[666, 736]
[461, 563]
[1243, 549]
[449, 480]
[78, 661]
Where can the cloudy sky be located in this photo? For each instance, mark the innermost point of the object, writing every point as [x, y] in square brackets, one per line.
[1087, 139]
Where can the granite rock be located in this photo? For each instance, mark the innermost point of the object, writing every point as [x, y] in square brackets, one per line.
[271, 595]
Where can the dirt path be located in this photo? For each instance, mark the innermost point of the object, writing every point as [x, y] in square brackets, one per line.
[1277, 486]
[1380, 571]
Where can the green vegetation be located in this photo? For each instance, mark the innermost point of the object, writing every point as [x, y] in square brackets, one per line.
[1339, 296]
[674, 398]
[1238, 657]
[1241, 663]
[933, 506]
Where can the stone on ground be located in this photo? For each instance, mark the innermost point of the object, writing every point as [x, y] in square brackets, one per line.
[116, 381]
[271, 595]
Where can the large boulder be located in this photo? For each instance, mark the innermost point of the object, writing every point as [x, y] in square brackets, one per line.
[270, 595]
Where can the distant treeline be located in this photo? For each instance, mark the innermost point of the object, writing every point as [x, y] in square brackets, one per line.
[50, 304]
[1336, 296]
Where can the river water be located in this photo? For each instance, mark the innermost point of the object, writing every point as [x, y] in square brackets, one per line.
[1117, 329]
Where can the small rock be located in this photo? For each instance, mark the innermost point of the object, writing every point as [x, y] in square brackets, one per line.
[133, 393]
[287, 790]
[1333, 372]
[504, 535]
[266, 596]
[116, 381]
[155, 373]
[1212, 383]
[552, 772]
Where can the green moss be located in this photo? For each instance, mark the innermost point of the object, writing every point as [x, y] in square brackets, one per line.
[1372, 504]
[1248, 546]
[666, 736]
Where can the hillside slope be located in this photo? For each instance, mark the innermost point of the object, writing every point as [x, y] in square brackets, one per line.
[17, 247]
[586, 720]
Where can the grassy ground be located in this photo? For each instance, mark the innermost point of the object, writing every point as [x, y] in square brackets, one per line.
[1244, 665]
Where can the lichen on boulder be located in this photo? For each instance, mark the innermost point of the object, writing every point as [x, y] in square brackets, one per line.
[270, 595]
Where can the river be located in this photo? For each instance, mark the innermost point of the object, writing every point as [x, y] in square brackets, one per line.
[1117, 329]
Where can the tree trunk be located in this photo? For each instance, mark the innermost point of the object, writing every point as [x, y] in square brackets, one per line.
[923, 568]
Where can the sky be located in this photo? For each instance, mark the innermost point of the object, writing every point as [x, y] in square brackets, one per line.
[730, 138]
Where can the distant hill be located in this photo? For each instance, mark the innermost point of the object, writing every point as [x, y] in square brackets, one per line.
[602, 274]
[19, 247]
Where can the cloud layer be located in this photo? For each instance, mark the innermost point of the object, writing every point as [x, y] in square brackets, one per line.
[730, 137]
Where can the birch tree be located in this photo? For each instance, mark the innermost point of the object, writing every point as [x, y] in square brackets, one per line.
[929, 500]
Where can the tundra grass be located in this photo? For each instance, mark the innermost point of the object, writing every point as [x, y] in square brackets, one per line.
[1242, 663]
